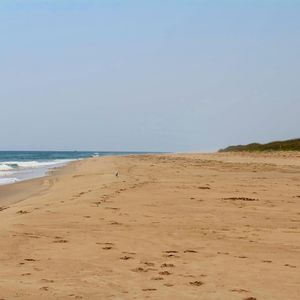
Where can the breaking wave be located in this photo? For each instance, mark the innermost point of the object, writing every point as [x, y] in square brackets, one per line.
[13, 165]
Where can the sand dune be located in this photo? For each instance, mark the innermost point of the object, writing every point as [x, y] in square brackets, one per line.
[186, 226]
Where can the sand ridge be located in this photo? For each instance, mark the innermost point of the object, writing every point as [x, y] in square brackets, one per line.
[184, 226]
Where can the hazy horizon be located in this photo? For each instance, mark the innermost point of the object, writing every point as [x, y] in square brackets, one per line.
[168, 76]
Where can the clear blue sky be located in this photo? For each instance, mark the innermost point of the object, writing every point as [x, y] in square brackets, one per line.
[148, 75]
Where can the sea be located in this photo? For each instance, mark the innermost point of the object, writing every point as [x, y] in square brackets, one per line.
[17, 166]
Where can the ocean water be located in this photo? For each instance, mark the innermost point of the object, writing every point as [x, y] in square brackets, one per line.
[23, 165]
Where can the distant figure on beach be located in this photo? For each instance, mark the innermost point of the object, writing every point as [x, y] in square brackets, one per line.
[117, 174]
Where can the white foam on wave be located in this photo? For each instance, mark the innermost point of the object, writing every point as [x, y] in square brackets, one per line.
[11, 165]
[14, 171]
[6, 173]
[5, 167]
[8, 180]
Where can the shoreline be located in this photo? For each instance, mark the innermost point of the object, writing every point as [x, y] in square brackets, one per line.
[171, 226]
[29, 173]
[39, 163]
[19, 191]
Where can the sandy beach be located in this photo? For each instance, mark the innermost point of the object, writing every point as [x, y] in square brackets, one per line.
[185, 226]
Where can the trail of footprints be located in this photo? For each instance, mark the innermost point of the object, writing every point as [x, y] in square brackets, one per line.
[160, 272]
[105, 198]
[165, 270]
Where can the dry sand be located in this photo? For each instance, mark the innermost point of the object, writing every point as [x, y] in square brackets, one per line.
[197, 226]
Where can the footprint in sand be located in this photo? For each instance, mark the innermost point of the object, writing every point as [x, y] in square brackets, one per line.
[115, 223]
[130, 253]
[168, 284]
[106, 244]
[165, 273]
[126, 257]
[157, 278]
[140, 270]
[149, 264]
[60, 241]
[190, 251]
[22, 212]
[76, 297]
[47, 280]
[149, 290]
[290, 266]
[240, 199]
[167, 266]
[29, 259]
[107, 248]
[239, 291]
[196, 283]
[113, 208]
[170, 255]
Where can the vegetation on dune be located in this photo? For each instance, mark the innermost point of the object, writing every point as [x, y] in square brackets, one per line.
[289, 145]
